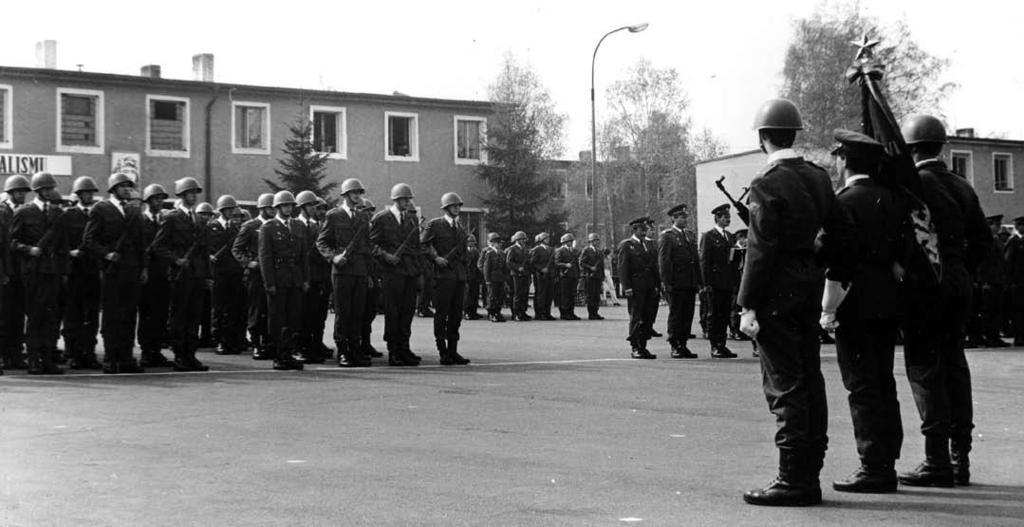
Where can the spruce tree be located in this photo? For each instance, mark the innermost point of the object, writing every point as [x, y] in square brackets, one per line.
[302, 167]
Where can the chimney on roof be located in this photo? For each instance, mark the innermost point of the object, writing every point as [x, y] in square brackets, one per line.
[202, 67]
[965, 132]
[46, 54]
[151, 71]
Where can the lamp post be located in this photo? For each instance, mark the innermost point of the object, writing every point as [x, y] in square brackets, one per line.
[593, 122]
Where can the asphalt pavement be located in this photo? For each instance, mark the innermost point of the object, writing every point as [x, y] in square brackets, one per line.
[551, 424]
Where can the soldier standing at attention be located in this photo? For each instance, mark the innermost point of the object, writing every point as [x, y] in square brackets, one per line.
[592, 269]
[863, 300]
[394, 236]
[228, 289]
[679, 266]
[82, 294]
[517, 260]
[245, 250]
[207, 337]
[374, 286]
[719, 280]
[314, 305]
[495, 270]
[443, 239]
[155, 293]
[12, 299]
[284, 264]
[638, 274]
[182, 242]
[790, 202]
[990, 279]
[40, 244]
[344, 243]
[652, 245]
[1014, 254]
[937, 369]
[540, 262]
[113, 234]
[472, 301]
[568, 264]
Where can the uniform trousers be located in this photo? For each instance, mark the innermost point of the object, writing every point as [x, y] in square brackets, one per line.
[719, 311]
[567, 294]
[373, 290]
[153, 306]
[120, 299]
[229, 299]
[520, 293]
[495, 296]
[991, 310]
[314, 315]
[42, 316]
[284, 320]
[448, 298]
[542, 289]
[350, 307]
[12, 319]
[864, 349]
[400, 292]
[256, 313]
[642, 304]
[81, 314]
[206, 328]
[593, 288]
[937, 368]
[186, 310]
[681, 303]
[472, 297]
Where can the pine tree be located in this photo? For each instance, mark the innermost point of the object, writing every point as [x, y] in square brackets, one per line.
[302, 167]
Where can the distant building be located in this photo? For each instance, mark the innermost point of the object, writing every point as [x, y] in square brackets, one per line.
[230, 136]
[989, 164]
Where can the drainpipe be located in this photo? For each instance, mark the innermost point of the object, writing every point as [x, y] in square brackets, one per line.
[207, 158]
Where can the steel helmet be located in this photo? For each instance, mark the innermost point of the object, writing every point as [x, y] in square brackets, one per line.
[351, 184]
[186, 184]
[400, 191]
[321, 202]
[593, 237]
[494, 237]
[519, 235]
[923, 129]
[204, 208]
[227, 201]
[41, 180]
[152, 191]
[368, 205]
[245, 214]
[778, 114]
[83, 184]
[119, 178]
[305, 197]
[17, 182]
[567, 237]
[450, 199]
[265, 200]
[284, 198]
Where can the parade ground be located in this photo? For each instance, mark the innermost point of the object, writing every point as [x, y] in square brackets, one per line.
[552, 424]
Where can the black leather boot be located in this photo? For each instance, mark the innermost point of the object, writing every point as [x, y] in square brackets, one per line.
[344, 355]
[961, 462]
[442, 350]
[936, 470]
[869, 479]
[790, 488]
[453, 353]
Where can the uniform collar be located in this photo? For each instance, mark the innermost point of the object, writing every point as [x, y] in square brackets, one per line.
[721, 230]
[85, 208]
[344, 207]
[449, 219]
[281, 219]
[855, 178]
[303, 219]
[263, 221]
[637, 238]
[181, 206]
[785, 153]
[396, 213]
[923, 162]
[39, 203]
[223, 222]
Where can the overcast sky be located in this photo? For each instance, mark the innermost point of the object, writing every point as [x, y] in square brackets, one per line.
[729, 52]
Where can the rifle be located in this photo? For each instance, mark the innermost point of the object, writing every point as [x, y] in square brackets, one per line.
[119, 244]
[401, 248]
[355, 237]
[741, 210]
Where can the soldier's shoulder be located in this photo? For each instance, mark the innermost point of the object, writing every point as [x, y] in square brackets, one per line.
[377, 216]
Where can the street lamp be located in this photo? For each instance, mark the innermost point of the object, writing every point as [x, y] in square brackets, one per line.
[593, 122]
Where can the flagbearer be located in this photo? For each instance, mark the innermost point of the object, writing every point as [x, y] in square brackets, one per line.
[444, 239]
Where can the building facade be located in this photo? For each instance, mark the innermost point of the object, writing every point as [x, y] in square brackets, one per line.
[230, 136]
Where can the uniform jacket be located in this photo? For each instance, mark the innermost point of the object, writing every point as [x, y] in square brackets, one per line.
[340, 229]
[592, 263]
[493, 265]
[29, 228]
[715, 249]
[878, 220]
[179, 234]
[246, 247]
[678, 260]
[156, 266]
[449, 242]
[387, 235]
[472, 258]
[319, 267]
[789, 204]
[86, 264]
[567, 262]
[221, 240]
[283, 254]
[1014, 254]
[107, 228]
[6, 214]
[518, 259]
[638, 265]
[542, 257]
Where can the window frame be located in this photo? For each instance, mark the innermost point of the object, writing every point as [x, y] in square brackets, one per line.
[100, 146]
[8, 124]
[235, 149]
[455, 140]
[1009, 172]
[414, 136]
[970, 163]
[342, 132]
[186, 133]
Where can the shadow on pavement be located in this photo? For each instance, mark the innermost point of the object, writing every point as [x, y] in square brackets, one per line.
[1001, 501]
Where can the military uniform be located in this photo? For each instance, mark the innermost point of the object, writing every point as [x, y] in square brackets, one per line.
[679, 266]
[316, 299]
[446, 238]
[494, 267]
[715, 249]
[475, 277]
[82, 294]
[154, 300]
[638, 274]
[284, 264]
[541, 263]
[516, 258]
[567, 262]
[388, 234]
[987, 299]
[228, 298]
[245, 249]
[1014, 254]
[592, 268]
[12, 296]
[347, 232]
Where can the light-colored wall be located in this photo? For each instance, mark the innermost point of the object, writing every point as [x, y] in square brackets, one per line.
[739, 171]
[1009, 204]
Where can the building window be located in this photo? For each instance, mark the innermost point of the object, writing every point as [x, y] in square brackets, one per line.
[250, 127]
[5, 116]
[470, 135]
[167, 126]
[79, 121]
[1002, 170]
[330, 133]
[962, 165]
[401, 136]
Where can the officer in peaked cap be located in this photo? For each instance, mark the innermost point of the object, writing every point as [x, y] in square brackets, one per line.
[516, 257]
[719, 281]
[542, 265]
[679, 269]
[494, 267]
[638, 273]
[566, 261]
[592, 269]
[82, 294]
[444, 239]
